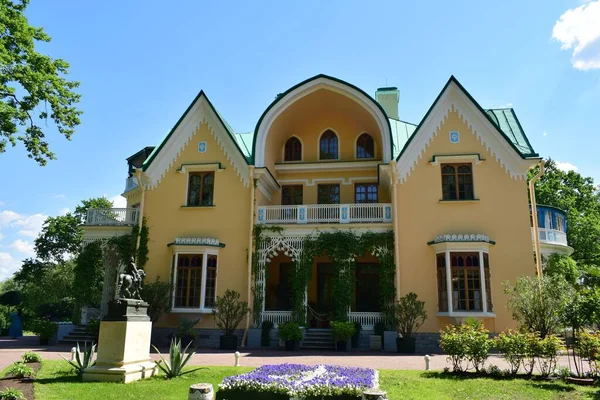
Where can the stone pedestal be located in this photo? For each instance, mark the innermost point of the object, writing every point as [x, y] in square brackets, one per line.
[124, 344]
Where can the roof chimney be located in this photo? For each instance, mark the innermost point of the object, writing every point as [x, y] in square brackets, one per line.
[388, 98]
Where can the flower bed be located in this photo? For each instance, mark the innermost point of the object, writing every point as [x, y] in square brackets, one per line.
[286, 381]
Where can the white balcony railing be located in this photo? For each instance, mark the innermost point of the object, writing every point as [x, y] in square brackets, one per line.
[112, 216]
[130, 184]
[551, 236]
[366, 319]
[325, 213]
[277, 317]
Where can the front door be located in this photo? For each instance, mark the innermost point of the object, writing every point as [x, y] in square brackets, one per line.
[324, 307]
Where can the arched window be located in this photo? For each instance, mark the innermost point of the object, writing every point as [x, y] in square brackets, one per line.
[365, 147]
[328, 146]
[293, 150]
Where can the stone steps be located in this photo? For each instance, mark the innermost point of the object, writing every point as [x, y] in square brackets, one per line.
[318, 339]
[78, 335]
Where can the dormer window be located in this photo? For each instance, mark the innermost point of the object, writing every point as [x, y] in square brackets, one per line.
[328, 146]
[365, 146]
[292, 150]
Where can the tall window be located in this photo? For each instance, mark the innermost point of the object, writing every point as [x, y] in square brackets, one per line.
[200, 189]
[366, 297]
[328, 146]
[328, 194]
[292, 150]
[195, 274]
[365, 147]
[365, 193]
[291, 195]
[560, 223]
[466, 282]
[457, 182]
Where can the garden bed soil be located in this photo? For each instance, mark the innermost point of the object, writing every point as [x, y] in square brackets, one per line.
[242, 395]
[24, 385]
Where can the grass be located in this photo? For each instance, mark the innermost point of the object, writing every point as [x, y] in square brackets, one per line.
[57, 381]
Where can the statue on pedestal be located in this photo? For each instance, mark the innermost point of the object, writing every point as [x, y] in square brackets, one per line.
[130, 282]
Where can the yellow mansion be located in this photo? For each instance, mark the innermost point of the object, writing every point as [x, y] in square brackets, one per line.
[229, 210]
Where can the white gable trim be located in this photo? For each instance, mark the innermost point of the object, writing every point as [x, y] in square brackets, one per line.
[313, 86]
[200, 112]
[455, 99]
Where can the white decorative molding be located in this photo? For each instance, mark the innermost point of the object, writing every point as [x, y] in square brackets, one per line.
[198, 241]
[265, 182]
[199, 113]
[200, 167]
[309, 87]
[467, 237]
[456, 158]
[329, 166]
[343, 181]
[454, 99]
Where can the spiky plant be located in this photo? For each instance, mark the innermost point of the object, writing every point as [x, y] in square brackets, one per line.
[11, 394]
[80, 364]
[177, 360]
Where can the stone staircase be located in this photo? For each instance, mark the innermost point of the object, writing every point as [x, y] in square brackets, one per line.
[318, 339]
[79, 334]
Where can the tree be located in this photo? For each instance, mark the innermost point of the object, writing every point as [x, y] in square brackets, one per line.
[578, 196]
[62, 235]
[564, 266]
[32, 86]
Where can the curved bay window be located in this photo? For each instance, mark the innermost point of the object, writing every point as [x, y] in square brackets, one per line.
[328, 146]
[365, 146]
[195, 277]
[292, 150]
[457, 182]
[200, 189]
[466, 276]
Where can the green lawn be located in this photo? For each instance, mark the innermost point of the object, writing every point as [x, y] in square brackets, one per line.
[55, 381]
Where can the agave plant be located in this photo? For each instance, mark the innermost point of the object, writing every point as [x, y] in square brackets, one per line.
[80, 364]
[177, 360]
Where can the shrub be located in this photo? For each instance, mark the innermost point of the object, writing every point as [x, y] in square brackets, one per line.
[513, 346]
[186, 329]
[177, 360]
[290, 331]
[466, 345]
[265, 334]
[563, 372]
[19, 370]
[93, 327]
[11, 394]
[229, 311]
[158, 296]
[342, 331]
[587, 346]
[410, 315]
[31, 357]
[547, 353]
[81, 363]
[44, 328]
[61, 310]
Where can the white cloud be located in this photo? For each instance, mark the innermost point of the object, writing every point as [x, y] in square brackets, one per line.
[565, 166]
[545, 133]
[7, 218]
[579, 29]
[23, 247]
[8, 265]
[63, 211]
[28, 225]
[118, 201]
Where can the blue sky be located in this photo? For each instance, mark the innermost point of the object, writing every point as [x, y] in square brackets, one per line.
[140, 63]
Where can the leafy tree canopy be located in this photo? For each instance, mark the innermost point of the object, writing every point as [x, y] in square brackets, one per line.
[33, 88]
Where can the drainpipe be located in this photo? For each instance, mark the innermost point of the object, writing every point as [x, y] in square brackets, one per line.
[536, 233]
[395, 224]
[250, 239]
[138, 176]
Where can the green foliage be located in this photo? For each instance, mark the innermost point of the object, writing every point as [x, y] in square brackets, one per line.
[517, 348]
[186, 328]
[59, 236]
[127, 246]
[539, 307]
[229, 311]
[20, 370]
[83, 359]
[89, 275]
[10, 298]
[410, 314]
[93, 327]
[31, 82]
[265, 334]
[61, 310]
[564, 266]
[94, 202]
[44, 328]
[587, 347]
[342, 331]
[548, 350]
[11, 394]
[142, 251]
[466, 345]
[177, 360]
[4, 317]
[290, 331]
[31, 357]
[158, 296]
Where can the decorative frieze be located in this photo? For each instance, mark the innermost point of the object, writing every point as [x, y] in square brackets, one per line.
[467, 237]
[198, 241]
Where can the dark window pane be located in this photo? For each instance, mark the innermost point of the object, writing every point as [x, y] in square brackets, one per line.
[328, 146]
[365, 147]
[291, 195]
[200, 189]
[194, 190]
[457, 182]
[293, 149]
[211, 281]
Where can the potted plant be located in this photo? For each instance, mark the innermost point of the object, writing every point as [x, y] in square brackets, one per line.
[229, 311]
[45, 329]
[265, 335]
[410, 315]
[356, 336]
[186, 332]
[292, 334]
[342, 332]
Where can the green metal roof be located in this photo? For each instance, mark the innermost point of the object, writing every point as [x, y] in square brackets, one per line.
[507, 121]
[244, 142]
[401, 132]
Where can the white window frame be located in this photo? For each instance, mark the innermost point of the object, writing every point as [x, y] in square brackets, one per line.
[185, 170]
[462, 247]
[205, 251]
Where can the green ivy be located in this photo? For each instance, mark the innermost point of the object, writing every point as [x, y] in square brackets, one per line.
[125, 245]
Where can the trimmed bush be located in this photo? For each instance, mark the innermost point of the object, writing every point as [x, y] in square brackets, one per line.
[547, 353]
[517, 349]
[31, 357]
[467, 346]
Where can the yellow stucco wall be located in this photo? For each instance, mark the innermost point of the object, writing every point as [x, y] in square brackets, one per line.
[502, 213]
[227, 221]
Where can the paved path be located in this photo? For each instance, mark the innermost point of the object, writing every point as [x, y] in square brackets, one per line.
[11, 350]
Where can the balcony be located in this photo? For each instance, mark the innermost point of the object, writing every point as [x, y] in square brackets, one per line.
[130, 184]
[326, 213]
[112, 217]
[551, 236]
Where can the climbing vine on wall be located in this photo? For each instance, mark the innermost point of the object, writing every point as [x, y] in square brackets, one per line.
[125, 245]
[259, 270]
